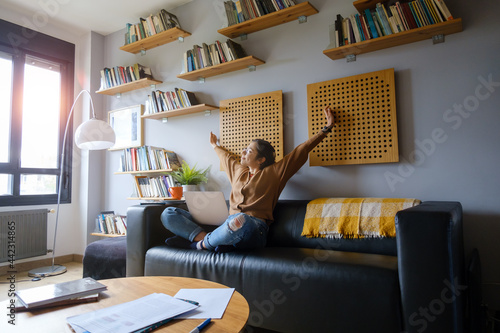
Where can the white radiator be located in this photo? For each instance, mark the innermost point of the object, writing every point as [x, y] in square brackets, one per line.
[23, 234]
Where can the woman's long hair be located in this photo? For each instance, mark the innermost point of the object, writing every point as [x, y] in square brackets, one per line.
[266, 150]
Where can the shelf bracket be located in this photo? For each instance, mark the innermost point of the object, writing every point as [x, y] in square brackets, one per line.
[201, 80]
[143, 52]
[181, 39]
[302, 19]
[153, 87]
[208, 113]
[164, 120]
[350, 57]
[118, 95]
[437, 39]
[252, 68]
[244, 36]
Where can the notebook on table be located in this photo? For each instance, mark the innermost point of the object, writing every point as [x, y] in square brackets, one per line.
[48, 294]
[207, 207]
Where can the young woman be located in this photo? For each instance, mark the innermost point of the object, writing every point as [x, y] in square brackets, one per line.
[256, 183]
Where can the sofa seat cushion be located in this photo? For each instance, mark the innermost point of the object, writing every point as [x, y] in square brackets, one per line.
[278, 281]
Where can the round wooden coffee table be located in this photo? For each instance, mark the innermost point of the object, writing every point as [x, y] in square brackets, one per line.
[128, 289]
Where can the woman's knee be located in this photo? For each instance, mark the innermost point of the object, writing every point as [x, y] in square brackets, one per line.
[167, 214]
[237, 222]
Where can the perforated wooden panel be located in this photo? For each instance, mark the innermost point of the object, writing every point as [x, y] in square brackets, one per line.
[252, 117]
[365, 111]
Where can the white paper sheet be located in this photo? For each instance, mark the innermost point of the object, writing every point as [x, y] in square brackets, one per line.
[131, 316]
[212, 302]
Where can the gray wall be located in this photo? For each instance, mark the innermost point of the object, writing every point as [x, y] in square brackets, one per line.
[439, 89]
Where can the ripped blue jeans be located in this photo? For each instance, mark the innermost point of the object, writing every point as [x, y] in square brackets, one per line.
[240, 230]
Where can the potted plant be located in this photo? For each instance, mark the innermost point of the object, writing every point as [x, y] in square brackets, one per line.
[190, 177]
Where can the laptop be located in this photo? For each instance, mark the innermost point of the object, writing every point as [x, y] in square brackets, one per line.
[207, 207]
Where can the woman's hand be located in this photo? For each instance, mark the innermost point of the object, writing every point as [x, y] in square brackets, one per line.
[330, 117]
[213, 140]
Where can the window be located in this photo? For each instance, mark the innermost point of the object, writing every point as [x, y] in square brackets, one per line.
[36, 91]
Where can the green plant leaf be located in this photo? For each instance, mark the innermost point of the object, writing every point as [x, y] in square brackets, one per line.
[187, 175]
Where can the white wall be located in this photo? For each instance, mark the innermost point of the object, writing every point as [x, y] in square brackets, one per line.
[430, 80]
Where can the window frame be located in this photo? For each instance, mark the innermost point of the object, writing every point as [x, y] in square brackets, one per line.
[19, 42]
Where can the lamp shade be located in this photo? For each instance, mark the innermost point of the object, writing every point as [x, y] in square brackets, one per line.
[94, 134]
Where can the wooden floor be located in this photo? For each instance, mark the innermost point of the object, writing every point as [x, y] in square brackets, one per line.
[23, 281]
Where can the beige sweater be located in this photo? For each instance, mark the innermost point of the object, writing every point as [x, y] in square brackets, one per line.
[257, 195]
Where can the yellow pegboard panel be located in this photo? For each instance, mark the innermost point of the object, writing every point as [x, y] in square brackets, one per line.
[365, 112]
[252, 117]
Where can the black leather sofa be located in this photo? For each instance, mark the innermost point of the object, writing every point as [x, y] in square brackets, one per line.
[414, 283]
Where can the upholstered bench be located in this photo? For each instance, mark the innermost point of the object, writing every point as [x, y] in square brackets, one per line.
[105, 258]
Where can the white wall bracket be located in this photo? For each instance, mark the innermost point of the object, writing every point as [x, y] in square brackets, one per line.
[143, 52]
[244, 36]
[201, 80]
[350, 57]
[302, 19]
[252, 68]
[437, 39]
[181, 39]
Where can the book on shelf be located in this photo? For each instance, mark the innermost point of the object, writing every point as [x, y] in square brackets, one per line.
[151, 25]
[388, 18]
[49, 294]
[155, 186]
[160, 101]
[209, 55]
[239, 11]
[148, 158]
[110, 223]
[118, 75]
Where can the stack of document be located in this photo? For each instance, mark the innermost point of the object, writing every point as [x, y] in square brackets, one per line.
[136, 316]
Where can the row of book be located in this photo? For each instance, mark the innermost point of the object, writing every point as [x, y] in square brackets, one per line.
[243, 10]
[148, 158]
[154, 187]
[111, 224]
[385, 20]
[160, 101]
[210, 55]
[118, 75]
[151, 25]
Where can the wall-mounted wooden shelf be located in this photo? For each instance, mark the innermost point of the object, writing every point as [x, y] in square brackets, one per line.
[134, 85]
[401, 38]
[155, 199]
[180, 112]
[223, 68]
[269, 20]
[161, 38]
[106, 235]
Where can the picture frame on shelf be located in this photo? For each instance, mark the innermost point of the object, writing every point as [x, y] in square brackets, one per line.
[128, 126]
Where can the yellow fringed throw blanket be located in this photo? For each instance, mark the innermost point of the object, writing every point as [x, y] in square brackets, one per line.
[353, 217]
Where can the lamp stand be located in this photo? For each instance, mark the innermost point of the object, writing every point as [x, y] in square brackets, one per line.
[47, 271]
[58, 269]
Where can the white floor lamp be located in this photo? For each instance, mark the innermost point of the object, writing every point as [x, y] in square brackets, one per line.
[93, 134]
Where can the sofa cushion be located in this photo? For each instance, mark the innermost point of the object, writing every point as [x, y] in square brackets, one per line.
[278, 281]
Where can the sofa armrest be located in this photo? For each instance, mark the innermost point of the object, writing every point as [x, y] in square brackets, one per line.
[431, 267]
[144, 230]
